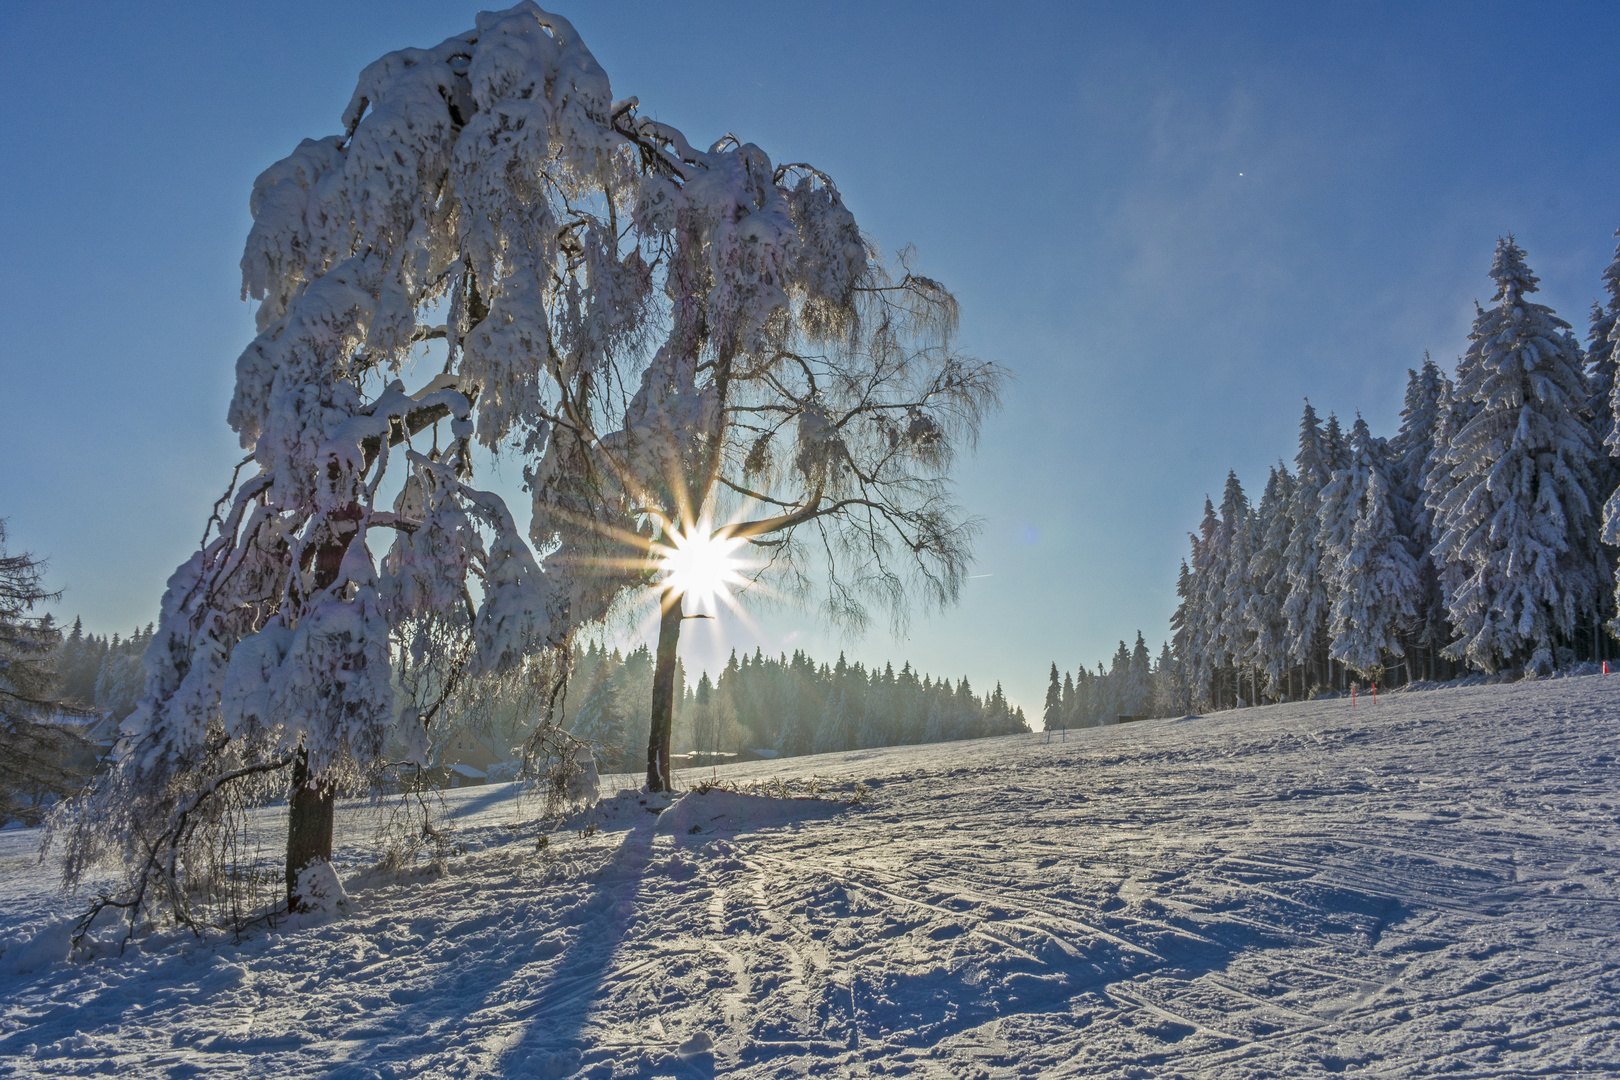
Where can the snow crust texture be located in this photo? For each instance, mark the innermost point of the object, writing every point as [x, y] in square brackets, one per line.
[1419, 888]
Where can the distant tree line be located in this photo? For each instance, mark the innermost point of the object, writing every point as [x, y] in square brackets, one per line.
[1133, 685]
[103, 675]
[1479, 539]
[789, 705]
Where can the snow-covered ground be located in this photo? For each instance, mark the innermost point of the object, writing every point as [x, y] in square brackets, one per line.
[1426, 886]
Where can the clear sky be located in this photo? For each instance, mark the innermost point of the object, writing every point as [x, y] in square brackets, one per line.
[1172, 222]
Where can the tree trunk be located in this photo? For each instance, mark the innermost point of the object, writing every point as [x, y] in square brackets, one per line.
[663, 692]
[309, 827]
[311, 804]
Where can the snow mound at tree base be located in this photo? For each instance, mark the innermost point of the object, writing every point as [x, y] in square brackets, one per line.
[320, 894]
[49, 946]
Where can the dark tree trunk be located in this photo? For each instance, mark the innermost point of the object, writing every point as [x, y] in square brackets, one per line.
[663, 692]
[309, 826]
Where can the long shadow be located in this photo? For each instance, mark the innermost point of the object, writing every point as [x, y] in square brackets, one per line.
[498, 793]
[557, 1012]
[553, 1043]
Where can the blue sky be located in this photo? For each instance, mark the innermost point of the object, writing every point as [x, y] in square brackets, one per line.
[1172, 222]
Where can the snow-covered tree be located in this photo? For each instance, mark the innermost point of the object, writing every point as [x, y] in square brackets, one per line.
[936, 729]
[1437, 483]
[483, 177]
[121, 678]
[1377, 584]
[1268, 576]
[1342, 497]
[1230, 585]
[878, 721]
[1603, 406]
[1169, 684]
[1418, 447]
[1521, 515]
[1116, 684]
[656, 327]
[1136, 693]
[1306, 606]
[1182, 630]
[1052, 712]
[1201, 617]
[1600, 357]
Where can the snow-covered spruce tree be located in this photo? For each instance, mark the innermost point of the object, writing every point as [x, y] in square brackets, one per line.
[1202, 610]
[1602, 401]
[1116, 686]
[1413, 452]
[1136, 699]
[1230, 586]
[1600, 370]
[1342, 497]
[1052, 710]
[1268, 574]
[1521, 516]
[1437, 483]
[1377, 585]
[1181, 632]
[1306, 606]
[1169, 687]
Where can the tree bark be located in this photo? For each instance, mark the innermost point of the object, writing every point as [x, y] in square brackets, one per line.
[309, 826]
[663, 692]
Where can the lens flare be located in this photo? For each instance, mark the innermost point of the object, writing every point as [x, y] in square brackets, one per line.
[701, 567]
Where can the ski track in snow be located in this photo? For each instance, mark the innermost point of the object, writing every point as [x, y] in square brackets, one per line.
[1423, 887]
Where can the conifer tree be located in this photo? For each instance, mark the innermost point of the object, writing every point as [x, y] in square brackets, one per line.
[1167, 684]
[1268, 574]
[934, 730]
[1136, 699]
[1420, 444]
[1521, 516]
[1601, 361]
[1305, 609]
[1377, 585]
[599, 720]
[1203, 611]
[1052, 712]
[1342, 498]
[1602, 401]
[1229, 584]
[1181, 628]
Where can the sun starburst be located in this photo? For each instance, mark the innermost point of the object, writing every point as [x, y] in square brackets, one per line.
[701, 566]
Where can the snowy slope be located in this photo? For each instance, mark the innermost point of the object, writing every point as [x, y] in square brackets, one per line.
[1428, 886]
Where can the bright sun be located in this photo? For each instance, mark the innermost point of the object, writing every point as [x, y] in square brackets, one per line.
[700, 566]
